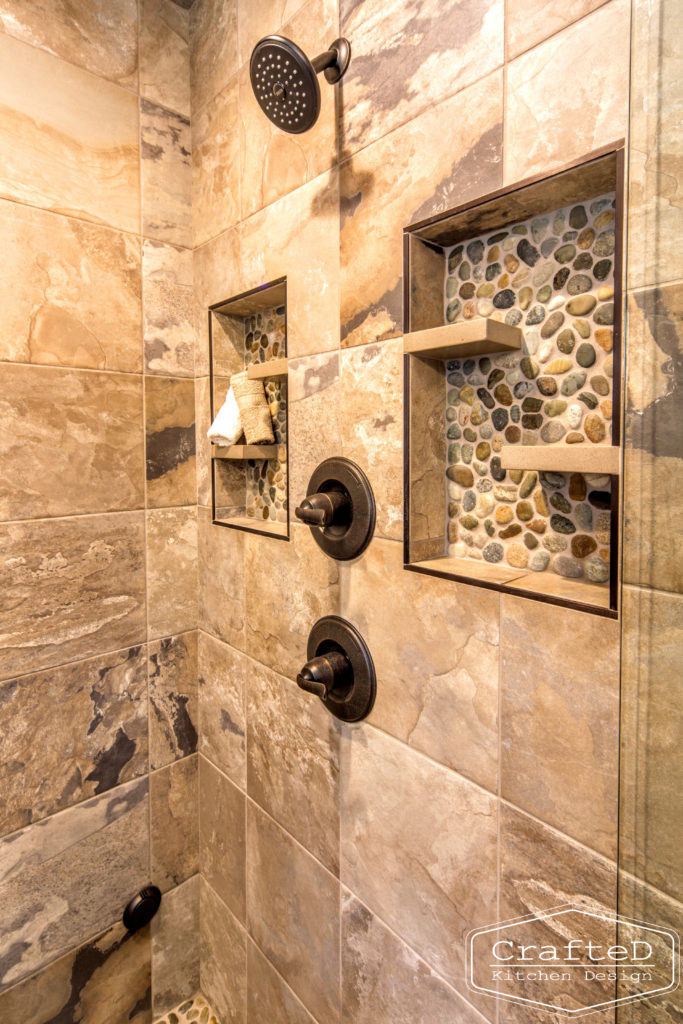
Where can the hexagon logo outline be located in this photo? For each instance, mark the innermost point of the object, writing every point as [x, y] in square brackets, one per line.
[560, 910]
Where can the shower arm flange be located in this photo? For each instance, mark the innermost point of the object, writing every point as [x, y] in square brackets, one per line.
[333, 62]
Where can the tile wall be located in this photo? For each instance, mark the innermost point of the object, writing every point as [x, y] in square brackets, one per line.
[330, 874]
[651, 876]
[98, 557]
[342, 866]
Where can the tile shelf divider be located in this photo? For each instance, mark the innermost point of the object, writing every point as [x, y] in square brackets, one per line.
[600, 459]
[269, 370]
[246, 451]
[476, 337]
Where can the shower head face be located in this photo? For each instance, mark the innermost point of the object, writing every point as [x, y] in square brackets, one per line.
[285, 84]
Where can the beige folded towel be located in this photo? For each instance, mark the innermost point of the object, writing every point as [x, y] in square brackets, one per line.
[253, 406]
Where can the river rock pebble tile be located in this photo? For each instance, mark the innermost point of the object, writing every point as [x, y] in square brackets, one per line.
[264, 338]
[192, 1011]
[554, 276]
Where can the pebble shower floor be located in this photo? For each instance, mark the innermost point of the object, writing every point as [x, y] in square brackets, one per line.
[191, 1011]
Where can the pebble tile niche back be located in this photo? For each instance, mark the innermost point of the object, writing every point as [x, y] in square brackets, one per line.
[513, 388]
[249, 483]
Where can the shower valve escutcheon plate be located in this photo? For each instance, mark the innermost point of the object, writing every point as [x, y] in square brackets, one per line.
[340, 508]
[339, 670]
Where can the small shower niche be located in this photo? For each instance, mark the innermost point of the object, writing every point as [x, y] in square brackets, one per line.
[512, 376]
[250, 481]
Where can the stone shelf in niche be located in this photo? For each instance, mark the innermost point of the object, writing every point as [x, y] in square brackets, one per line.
[603, 460]
[249, 483]
[248, 451]
[477, 337]
[506, 441]
[270, 370]
[512, 579]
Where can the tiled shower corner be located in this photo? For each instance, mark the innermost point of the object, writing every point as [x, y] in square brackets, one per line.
[191, 1011]
[554, 277]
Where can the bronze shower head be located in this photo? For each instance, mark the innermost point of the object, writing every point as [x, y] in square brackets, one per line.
[285, 81]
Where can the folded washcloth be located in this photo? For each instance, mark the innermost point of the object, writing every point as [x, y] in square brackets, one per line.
[253, 407]
[227, 427]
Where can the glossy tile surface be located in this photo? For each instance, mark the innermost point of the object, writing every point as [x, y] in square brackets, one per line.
[76, 584]
[65, 435]
[173, 698]
[70, 733]
[104, 981]
[173, 793]
[75, 144]
[53, 289]
[101, 846]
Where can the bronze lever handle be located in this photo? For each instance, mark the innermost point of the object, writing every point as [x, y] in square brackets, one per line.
[326, 672]
[322, 509]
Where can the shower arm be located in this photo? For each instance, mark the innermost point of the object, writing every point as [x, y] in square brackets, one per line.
[334, 61]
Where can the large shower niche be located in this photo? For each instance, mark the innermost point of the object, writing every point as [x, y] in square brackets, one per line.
[513, 359]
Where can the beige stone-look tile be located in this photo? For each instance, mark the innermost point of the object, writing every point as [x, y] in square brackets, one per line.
[653, 518]
[75, 586]
[213, 48]
[551, 115]
[268, 995]
[170, 442]
[653, 427]
[165, 174]
[407, 176]
[643, 903]
[70, 442]
[288, 592]
[529, 22]
[175, 947]
[222, 712]
[173, 699]
[216, 165]
[222, 823]
[655, 209]
[409, 54]
[418, 847]
[89, 33]
[169, 317]
[293, 761]
[70, 140]
[223, 958]
[217, 276]
[174, 824]
[70, 294]
[385, 982]
[100, 847]
[651, 818]
[265, 18]
[313, 418]
[105, 981]
[276, 162]
[560, 718]
[297, 237]
[372, 425]
[165, 54]
[222, 596]
[202, 405]
[293, 914]
[172, 582]
[95, 714]
[435, 648]
[540, 870]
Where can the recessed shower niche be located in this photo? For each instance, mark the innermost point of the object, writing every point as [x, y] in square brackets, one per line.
[512, 374]
[249, 482]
